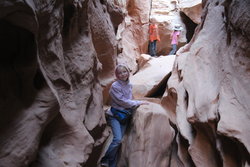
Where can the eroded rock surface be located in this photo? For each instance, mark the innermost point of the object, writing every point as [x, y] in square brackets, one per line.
[56, 59]
[212, 87]
[143, 145]
[151, 76]
[52, 108]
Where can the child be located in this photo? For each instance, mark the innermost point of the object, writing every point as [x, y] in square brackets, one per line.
[121, 99]
[174, 38]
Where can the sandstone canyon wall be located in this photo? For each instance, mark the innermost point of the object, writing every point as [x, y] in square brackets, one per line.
[132, 34]
[210, 85]
[52, 56]
[169, 13]
[57, 55]
[133, 37]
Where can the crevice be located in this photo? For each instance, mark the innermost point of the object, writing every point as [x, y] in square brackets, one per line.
[96, 133]
[186, 99]
[179, 141]
[69, 11]
[209, 131]
[174, 145]
[102, 1]
[17, 63]
[184, 142]
[39, 81]
[159, 90]
[233, 150]
[226, 5]
[189, 24]
[180, 78]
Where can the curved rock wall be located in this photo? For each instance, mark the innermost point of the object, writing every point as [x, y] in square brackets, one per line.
[210, 84]
[52, 54]
[133, 33]
[55, 59]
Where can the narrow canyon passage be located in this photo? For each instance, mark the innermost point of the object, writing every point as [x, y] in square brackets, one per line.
[58, 62]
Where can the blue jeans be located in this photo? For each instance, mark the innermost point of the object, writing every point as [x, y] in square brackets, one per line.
[174, 49]
[152, 48]
[118, 131]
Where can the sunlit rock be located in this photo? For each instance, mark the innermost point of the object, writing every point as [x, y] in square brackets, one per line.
[147, 81]
[192, 9]
[167, 14]
[103, 27]
[132, 34]
[142, 60]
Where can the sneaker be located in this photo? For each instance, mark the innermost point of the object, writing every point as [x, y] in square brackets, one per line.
[104, 164]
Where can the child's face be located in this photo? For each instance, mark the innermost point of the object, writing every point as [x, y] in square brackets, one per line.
[122, 74]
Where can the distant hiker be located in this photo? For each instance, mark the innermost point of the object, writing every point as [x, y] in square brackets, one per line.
[121, 101]
[174, 38]
[153, 38]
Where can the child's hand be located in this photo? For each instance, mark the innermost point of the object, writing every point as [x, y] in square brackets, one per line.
[144, 103]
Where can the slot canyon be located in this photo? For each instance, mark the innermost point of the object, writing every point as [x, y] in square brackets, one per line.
[58, 60]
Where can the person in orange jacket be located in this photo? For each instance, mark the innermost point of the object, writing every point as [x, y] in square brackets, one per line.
[153, 38]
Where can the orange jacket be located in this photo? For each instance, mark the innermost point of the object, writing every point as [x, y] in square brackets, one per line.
[153, 33]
